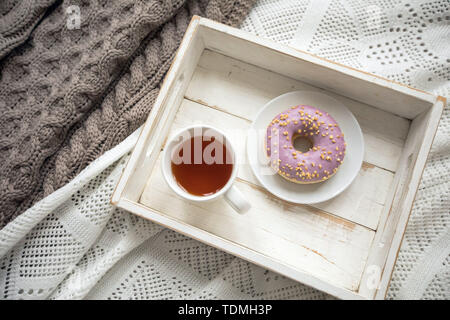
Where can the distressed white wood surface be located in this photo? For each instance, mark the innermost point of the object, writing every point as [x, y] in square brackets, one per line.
[362, 86]
[242, 89]
[361, 203]
[135, 174]
[387, 241]
[330, 246]
[304, 238]
[237, 250]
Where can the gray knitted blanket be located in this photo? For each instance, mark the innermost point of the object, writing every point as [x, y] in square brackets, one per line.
[71, 73]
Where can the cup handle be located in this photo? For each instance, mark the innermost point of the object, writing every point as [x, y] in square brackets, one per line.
[236, 200]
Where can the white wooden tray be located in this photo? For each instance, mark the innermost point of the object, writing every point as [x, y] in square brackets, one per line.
[346, 246]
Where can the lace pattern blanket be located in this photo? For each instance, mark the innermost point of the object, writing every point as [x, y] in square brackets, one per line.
[74, 245]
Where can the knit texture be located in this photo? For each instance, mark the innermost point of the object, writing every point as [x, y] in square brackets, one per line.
[17, 20]
[68, 95]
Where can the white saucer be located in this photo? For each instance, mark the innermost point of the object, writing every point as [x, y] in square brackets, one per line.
[306, 193]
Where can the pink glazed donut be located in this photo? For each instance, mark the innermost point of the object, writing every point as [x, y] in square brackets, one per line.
[317, 164]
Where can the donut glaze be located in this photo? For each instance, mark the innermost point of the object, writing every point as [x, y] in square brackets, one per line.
[317, 164]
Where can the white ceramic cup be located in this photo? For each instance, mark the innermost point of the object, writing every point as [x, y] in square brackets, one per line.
[232, 195]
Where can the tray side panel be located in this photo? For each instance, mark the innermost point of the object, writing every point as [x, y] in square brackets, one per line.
[248, 88]
[361, 86]
[389, 235]
[237, 250]
[135, 175]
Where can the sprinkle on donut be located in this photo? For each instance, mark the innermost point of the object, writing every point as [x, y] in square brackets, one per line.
[317, 164]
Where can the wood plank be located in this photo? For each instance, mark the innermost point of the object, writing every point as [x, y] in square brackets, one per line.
[302, 237]
[362, 86]
[242, 89]
[394, 219]
[361, 203]
[135, 174]
[237, 250]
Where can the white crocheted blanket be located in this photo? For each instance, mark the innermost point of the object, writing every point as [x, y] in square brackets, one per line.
[73, 244]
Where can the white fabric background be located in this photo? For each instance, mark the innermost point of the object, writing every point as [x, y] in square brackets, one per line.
[74, 245]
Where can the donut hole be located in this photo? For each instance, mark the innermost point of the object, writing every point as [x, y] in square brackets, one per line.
[302, 143]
